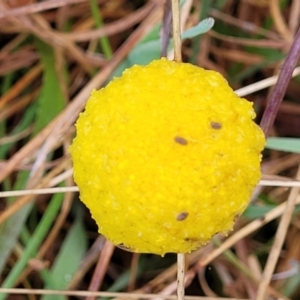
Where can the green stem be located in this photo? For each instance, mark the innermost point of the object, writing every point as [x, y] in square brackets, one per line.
[104, 42]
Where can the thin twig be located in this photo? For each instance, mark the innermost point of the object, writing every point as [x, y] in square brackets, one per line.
[102, 294]
[101, 268]
[293, 18]
[259, 85]
[242, 24]
[134, 265]
[281, 26]
[277, 44]
[111, 28]
[21, 84]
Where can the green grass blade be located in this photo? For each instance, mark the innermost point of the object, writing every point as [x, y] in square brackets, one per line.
[104, 41]
[10, 230]
[36, 240]
[23, 124]
[254, 211]
[51, 99]
[68, 259]
[284, 144]
[202, 27]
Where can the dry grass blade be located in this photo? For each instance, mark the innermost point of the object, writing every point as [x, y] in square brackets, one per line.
[279, 21]
[56, 190]
[110, 29]
[104, 294]
[36, 7]
[101, 268]
[278, 242]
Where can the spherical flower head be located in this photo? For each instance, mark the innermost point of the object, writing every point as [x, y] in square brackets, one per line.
[166, 156]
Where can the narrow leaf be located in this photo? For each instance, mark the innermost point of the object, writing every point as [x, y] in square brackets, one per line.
[51, 99]
[68, 260]
[202, 27]
[284, 144]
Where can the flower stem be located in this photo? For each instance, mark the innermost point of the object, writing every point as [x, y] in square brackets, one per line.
[178, 58]
[176, 30]
[180, 275]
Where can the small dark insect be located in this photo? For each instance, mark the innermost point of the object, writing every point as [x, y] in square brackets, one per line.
[182, 216]
[180, 140]
[215, 125]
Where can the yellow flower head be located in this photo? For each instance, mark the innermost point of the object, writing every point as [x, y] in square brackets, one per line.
[166, 156]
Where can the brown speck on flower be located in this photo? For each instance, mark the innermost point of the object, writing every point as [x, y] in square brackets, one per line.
[191, 239]
[182, 216]
[180, 140]
[216, 125]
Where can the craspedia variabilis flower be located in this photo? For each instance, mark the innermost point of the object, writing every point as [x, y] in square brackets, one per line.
[166, 156]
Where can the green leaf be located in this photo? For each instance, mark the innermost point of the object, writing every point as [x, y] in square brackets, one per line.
[68, 259]
[51, 99]
[121, 282]
[144, 53]
[149, 47]
[284, 144]
[26, 120]
[202, 27]
[254, 211]
[219, 4]
[10, 229]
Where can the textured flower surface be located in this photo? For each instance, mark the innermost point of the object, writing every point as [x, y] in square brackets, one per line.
[166, 156]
